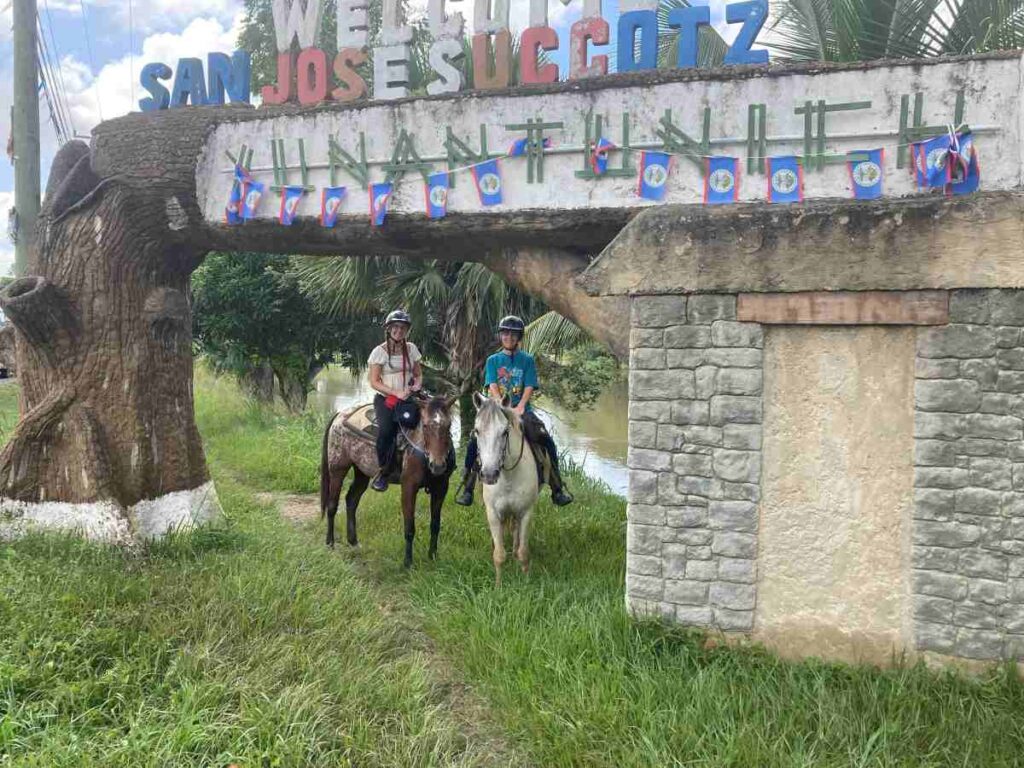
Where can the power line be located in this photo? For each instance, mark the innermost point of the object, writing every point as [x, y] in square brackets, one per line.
[59, 115]
[92, 62]
[60, 70]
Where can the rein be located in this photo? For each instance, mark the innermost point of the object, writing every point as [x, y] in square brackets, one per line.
[522, 449]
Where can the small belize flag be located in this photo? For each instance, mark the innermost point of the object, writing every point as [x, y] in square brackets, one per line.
[233, 210]
[931, 161]
[785, 180]
[866, 173]
[290, 197]
[518, 147]
[599, 156]
[965, 175]
[252, 193]
[330, 203]
[380, 198]
[487, 176]
[721, 180]
[653, 179]
[436, 192]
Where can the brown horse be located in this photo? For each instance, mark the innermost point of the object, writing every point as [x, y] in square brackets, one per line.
[427, 463]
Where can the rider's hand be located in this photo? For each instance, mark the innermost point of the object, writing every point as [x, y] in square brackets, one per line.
[415, 387]
[402, 394]
[520, 409]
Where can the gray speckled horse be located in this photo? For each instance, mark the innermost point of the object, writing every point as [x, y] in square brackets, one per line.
[427, 463]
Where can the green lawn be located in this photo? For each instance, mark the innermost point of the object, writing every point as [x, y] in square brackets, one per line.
[255, 644]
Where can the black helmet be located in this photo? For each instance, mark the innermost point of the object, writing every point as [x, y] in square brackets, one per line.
[512, 323]
[398, 316]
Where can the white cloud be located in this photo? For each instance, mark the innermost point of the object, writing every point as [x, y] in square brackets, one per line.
[110, 93]
[149, 16]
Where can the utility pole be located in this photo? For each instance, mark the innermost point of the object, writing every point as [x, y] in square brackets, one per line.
[26, 130]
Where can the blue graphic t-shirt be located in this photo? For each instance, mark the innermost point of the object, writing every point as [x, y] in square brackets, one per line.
[512, 374]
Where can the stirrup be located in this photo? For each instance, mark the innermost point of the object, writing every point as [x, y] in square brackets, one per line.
[561, 497]
[380, 483]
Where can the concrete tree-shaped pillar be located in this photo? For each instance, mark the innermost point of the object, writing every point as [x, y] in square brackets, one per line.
[107, 442]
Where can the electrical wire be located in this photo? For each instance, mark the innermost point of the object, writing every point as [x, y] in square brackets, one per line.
[62, 86]
[58, 108]
[92, 61]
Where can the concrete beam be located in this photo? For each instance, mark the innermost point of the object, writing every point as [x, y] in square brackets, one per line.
[910, 244]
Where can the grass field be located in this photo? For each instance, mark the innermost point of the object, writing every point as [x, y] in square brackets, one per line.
[256, 645]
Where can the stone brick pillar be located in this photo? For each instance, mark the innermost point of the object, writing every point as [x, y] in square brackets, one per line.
[695, 461]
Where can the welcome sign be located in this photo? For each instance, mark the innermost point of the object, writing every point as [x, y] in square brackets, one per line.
[309, 78]
[772, 136]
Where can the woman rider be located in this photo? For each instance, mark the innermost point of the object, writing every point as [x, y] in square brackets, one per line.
[512, 372]
[395, 374]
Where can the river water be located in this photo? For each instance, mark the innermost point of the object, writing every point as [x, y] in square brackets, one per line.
[595, 438]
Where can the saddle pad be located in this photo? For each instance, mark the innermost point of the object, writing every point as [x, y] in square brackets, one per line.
[361, 421]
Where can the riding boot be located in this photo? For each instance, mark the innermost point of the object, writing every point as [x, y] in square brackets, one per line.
[560, 496]
[465, 497]
[380, 482]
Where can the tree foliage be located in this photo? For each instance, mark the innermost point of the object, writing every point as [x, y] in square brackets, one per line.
[249, 313]
[855, 30]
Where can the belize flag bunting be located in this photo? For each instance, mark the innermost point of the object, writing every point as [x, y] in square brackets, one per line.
[866, 173]
[785, 180]
[290, 197]
[518, 147]
[252, 193]
[930, 161]
[330, 203]
[436, 192]
[380, 198]
[599, 156]
[721, 180]
[653, 179]
[487, 177]
[233, 211]
[965, 174]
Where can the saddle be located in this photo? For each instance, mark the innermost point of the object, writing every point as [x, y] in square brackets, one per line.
[361, 422]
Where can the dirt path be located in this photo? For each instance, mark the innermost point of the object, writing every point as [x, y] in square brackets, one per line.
[487, 743]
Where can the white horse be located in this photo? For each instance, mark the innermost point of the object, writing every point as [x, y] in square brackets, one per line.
[509, 476]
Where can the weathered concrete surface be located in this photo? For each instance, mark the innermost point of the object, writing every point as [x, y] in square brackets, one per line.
[838, 478]
[991, 86]
[921, 243]
[845, 308]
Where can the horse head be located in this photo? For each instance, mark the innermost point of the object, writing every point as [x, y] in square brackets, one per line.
[493, 422]
[436, 424]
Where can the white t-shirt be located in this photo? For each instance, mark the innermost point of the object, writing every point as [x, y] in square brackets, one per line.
[391, 367]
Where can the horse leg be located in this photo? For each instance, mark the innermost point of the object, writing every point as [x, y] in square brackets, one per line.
[409, 490]
[337, 478]
[523, 550]
[355, 493]
[498, 537]
[438, 492]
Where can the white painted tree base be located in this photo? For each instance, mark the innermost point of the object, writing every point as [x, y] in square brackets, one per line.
[109, 522]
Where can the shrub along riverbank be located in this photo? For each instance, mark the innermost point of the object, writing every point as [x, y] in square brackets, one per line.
[255, 644]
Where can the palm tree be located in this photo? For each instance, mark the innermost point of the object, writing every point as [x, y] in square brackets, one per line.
[856, 30]
[455, 308]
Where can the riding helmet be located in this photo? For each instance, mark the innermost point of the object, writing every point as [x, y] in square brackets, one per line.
[398, 316]
[512, 323]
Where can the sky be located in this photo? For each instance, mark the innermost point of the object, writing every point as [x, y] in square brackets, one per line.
[103, 44]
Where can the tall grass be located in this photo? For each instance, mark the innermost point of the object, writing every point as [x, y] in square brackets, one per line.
[256, 644]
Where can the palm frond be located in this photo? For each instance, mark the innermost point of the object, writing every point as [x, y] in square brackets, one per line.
[552, 334]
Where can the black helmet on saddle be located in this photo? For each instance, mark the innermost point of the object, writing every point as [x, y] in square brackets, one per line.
[398, 316]
[512, 323]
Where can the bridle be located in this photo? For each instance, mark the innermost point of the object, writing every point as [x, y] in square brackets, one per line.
[504, 450]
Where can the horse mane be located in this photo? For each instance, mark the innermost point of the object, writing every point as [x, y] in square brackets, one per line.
[492, 408]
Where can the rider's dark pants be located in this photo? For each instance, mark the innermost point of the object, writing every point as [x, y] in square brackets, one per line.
[536, 433]
[387, 431]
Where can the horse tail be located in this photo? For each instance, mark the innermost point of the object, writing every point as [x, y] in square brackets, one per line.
[325, 469]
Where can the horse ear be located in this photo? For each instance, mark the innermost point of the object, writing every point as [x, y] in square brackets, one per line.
[478, 400]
